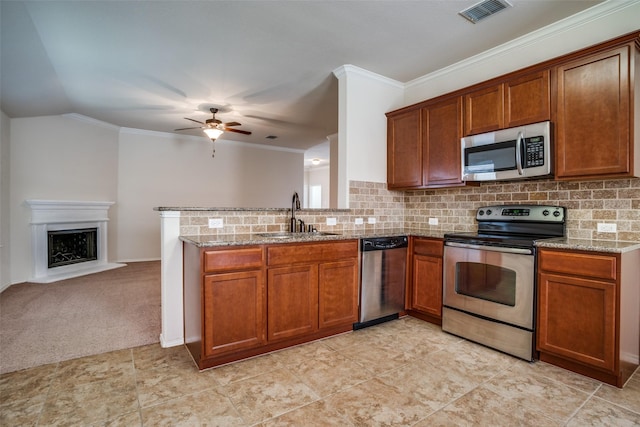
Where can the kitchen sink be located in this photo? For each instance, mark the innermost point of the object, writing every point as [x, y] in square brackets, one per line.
[290, 235]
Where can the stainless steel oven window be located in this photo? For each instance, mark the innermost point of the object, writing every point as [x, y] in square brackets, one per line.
[487, 282]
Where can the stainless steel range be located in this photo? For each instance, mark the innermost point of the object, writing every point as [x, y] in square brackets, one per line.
[489, 276]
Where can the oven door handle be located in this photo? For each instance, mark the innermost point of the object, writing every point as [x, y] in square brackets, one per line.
[491, 248]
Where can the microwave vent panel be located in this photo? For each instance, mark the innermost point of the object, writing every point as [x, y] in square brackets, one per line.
[484, 9]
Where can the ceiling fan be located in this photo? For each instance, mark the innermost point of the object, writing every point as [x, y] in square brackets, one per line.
[213, 127]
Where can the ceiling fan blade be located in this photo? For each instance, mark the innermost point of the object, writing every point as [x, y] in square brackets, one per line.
[232, 124]
[197, 127]
[244, 132]
[194, 120]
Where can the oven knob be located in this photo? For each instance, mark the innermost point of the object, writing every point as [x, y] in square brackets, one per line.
[489, 211]
[545, 212]
[556, 214]
[480, 212]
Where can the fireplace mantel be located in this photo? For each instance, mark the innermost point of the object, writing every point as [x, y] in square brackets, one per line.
[55, 215]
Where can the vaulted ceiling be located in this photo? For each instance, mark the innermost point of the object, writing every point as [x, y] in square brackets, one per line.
[265, 64]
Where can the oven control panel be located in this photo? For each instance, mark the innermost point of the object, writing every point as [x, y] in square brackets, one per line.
[526, 213]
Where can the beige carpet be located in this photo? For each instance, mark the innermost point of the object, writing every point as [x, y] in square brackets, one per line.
[112, 310]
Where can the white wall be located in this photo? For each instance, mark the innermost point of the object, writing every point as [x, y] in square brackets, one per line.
[158, 169]
[5, 277]
[364, 98]
[58, 158]
[318, 176]
[334, 164]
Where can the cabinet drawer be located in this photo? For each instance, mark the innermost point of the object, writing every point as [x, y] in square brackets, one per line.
[428, 247]
[579, 264]
[233, 259]
[311, 252]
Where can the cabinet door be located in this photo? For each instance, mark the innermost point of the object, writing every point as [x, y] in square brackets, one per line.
[292, 301]
[404, 150]
[484, 110]
[338, 293]
[442, 133]
[527, 99]
[593, 116]
[576, 319]
[427, 285]
[234, 311]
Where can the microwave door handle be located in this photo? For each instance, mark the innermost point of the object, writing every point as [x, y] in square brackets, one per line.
[519, 153]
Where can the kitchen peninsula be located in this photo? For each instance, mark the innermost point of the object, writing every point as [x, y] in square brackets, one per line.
[250, 228]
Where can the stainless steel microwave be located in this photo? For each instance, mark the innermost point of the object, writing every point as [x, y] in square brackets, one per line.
[514, 153]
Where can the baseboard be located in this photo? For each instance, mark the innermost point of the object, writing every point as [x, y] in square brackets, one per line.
[630, 357]
[174, 343]
[5, 286]
[98, 268]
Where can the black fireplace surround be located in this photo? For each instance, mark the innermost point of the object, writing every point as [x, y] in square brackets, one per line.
[72, 246]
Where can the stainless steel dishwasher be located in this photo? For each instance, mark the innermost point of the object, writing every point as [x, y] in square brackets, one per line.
[382, 279]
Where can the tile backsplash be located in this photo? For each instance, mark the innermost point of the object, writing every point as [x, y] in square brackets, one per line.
[588, 203]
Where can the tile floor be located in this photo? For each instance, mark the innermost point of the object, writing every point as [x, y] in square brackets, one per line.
[402, 373]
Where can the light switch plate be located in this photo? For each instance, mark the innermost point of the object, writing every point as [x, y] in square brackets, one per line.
[359, 221]
[331, 221]
[604, 227]
[433, 221]
[371, 220]
[216, 223]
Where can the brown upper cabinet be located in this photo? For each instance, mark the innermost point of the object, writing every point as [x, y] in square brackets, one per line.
[517, 101]
[594, 120]
[441, 133]
[404, 149]
[590, 96]
[423, 146]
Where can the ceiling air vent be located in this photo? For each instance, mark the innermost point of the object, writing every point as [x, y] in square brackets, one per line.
[484, 9]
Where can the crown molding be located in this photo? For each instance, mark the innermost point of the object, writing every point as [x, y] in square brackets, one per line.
[92, 121]
[260, 146]
[170, 135]
[158, 134]
[575, 21]
[343, 70]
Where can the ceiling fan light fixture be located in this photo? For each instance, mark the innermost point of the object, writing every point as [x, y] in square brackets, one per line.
[315, 162]
[213, 133]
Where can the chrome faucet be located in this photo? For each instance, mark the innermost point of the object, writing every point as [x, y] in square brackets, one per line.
[295, 206]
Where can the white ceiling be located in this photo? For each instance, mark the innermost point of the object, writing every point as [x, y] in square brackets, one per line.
[268, 64]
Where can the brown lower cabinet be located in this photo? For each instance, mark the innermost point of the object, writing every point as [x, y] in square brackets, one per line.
[292, 301]
[589, 312]
[244, 301]
[425, 291]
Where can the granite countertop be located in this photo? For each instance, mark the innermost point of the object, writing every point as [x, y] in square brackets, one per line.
[232, 209]
[612, 246]
[204, 241]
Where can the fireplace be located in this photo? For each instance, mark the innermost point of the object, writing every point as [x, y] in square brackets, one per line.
[69, 239]
[72, 246]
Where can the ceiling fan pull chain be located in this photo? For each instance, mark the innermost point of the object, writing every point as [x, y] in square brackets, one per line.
[213, 148]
